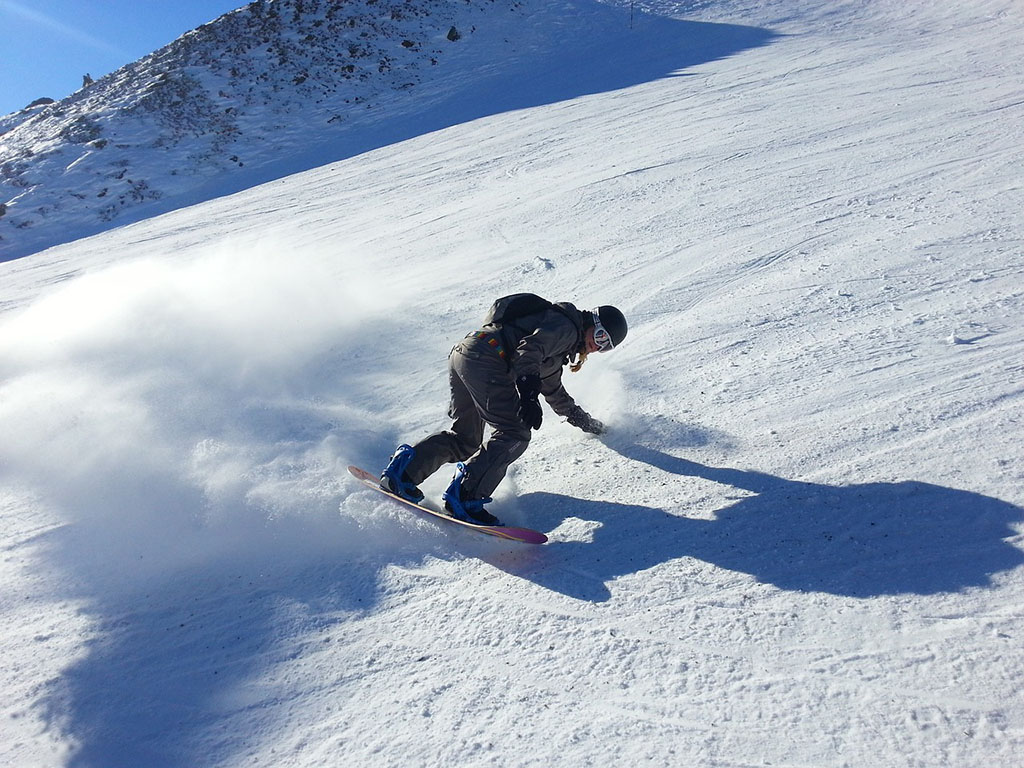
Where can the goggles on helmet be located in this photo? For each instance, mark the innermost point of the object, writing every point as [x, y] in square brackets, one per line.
[602, 338]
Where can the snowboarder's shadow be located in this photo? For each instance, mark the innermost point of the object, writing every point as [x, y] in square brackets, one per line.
[859, 541]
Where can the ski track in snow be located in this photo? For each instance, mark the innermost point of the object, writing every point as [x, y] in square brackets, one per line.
[801, 543]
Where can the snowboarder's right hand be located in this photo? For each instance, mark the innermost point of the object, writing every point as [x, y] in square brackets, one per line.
[586, 422]
[530, 412]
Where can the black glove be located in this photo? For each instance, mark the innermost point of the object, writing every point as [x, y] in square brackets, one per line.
[529, 409]
[586, 422]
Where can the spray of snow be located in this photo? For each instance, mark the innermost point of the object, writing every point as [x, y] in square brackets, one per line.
[171, 410]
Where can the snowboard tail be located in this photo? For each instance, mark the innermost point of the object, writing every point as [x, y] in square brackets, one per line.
[525, 535]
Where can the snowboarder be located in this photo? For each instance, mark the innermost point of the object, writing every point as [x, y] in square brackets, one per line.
[496, 376]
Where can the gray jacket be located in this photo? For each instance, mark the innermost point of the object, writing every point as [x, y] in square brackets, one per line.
[542, 344]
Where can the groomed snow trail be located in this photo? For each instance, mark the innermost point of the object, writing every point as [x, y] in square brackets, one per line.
[801, 543]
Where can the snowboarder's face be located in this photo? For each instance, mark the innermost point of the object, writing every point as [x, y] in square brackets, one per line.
[592, 345]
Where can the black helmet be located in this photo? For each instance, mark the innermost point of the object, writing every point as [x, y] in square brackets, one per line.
[612, 322]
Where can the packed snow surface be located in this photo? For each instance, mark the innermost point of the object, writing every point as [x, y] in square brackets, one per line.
[801, 543]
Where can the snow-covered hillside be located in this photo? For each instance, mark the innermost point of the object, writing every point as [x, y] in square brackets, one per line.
[800, 544]
[281, 86]
[255, 85]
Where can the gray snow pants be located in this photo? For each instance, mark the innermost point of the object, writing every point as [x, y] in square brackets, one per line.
[483, 393]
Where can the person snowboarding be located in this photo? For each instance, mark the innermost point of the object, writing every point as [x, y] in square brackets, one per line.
[497, 375]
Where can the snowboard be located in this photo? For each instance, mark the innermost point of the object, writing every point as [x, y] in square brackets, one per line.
[525, 535]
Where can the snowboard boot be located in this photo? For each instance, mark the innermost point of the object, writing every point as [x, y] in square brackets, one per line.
[394, 480]
[466, 510]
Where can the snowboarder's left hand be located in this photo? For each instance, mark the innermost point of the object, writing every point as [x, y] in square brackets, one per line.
[529, 408]
[586, 422]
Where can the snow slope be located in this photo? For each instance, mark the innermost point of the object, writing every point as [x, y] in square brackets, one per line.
[281, 86]
[801, 543]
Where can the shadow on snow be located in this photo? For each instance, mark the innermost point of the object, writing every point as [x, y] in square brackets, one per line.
[170, 680]
[859, 541]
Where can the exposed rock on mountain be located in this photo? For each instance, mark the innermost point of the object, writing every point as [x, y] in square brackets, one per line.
[251, 87]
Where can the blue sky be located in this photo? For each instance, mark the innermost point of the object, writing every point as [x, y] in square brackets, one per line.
[47, 45]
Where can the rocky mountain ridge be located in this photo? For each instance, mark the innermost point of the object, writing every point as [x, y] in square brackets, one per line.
[253, 86]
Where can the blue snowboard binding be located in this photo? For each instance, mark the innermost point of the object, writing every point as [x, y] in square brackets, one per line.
[467, 510]
[394, 480]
